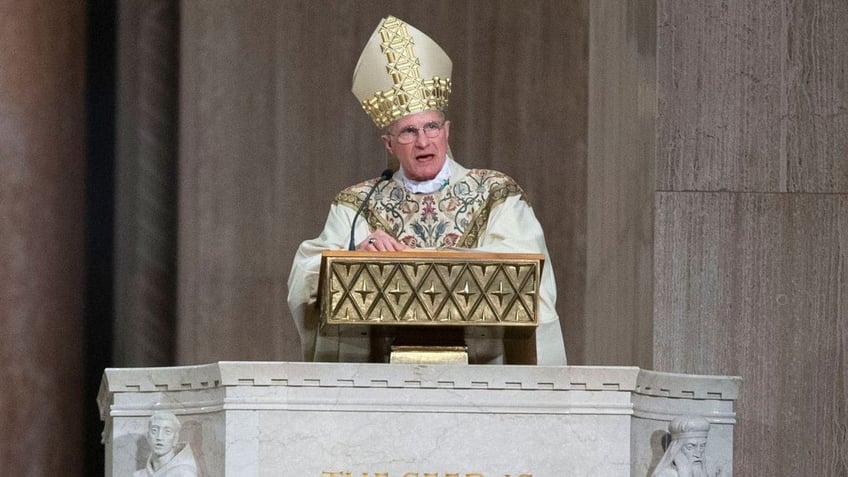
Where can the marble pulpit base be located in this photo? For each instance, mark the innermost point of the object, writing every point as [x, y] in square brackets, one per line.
[353, 420]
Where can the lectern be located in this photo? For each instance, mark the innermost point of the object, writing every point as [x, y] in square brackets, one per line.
[423, 306]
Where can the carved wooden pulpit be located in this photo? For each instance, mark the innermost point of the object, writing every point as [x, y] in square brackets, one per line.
[425, 306]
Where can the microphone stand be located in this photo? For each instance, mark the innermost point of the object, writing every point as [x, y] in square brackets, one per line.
[386, 175]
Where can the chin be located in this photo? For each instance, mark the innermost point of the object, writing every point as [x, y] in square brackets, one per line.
[426, 175]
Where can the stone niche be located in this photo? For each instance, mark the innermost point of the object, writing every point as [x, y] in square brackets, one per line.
[396, 420]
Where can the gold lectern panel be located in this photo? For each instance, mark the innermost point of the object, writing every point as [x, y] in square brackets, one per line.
[415, 288]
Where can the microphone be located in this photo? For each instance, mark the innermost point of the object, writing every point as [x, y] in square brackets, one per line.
[386, 175]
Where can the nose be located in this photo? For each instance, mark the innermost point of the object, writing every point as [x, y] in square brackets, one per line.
[421, 140]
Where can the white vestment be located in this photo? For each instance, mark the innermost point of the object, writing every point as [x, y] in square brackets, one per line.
[182, 465]
[480, 209]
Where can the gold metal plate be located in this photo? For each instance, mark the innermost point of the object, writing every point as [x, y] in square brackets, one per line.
[415, 288]
[429, 355]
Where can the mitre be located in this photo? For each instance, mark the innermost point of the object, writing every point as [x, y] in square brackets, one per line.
[401, 71]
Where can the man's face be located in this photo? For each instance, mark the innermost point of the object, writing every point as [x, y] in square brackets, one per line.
[693, 450]
[162, 435]
[423, 158]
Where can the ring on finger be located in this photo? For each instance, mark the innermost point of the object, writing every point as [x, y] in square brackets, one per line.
[372, 240]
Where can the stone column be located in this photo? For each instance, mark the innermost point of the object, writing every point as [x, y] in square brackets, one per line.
[620, 176]
[146, 192]
[42, 178]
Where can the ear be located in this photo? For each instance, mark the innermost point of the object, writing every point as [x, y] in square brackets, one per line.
[447, 129]
[387, 142]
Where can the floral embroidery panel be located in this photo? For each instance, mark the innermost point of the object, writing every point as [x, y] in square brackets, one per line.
[453, 216]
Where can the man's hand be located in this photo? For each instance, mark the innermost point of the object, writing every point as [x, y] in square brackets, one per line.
[380, 241]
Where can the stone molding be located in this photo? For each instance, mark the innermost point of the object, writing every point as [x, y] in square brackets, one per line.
[414, 388]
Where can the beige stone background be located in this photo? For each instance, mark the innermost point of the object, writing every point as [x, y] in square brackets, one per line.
[687, 159]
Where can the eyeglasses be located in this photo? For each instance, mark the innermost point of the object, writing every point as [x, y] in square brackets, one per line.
[409, 134]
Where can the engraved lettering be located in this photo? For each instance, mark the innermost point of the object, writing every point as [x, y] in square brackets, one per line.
[344, 473]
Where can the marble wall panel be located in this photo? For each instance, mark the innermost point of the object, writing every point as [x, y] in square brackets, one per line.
[753, 96]
[756, 285]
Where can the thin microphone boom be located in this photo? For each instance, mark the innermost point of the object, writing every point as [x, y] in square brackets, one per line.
[386, 175]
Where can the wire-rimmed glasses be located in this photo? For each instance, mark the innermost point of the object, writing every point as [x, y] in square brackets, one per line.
[409, 134]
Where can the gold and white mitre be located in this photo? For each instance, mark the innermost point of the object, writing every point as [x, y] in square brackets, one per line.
[401, 71]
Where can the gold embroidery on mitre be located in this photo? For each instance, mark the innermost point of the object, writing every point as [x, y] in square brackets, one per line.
[409, 93]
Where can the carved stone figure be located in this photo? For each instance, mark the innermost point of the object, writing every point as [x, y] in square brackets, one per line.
[168, 457]
[685, 455]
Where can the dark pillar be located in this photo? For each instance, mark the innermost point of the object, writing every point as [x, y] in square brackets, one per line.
[42, 171]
